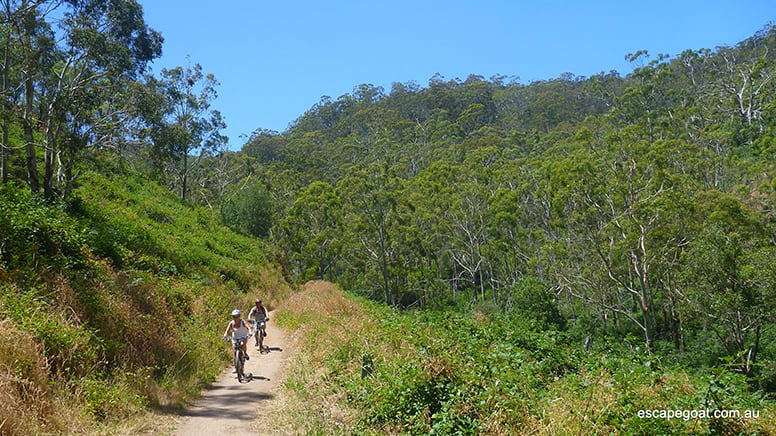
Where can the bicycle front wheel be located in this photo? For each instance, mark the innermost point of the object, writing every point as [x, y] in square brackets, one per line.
[238, 365]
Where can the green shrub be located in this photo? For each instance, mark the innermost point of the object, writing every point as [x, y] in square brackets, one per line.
[34, 232]
[249, 211]
[534, 300]
[109, 397]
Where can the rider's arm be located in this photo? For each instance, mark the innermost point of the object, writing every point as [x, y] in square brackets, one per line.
[228, 329]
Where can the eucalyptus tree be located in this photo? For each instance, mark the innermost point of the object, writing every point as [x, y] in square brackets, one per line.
[746, 82]
[313, 231]
[620, 227]
[646, 104]
[370, 196]
[467, 228]
[431, 196]
[10, 78]
[249, 210]
[729, 278]
[73, 59]
[107, 48]
[185, 123]
[36, 44]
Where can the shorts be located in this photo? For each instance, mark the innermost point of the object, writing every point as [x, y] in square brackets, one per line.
[235, 339]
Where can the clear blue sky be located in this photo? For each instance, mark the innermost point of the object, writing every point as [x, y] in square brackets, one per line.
[275, 59]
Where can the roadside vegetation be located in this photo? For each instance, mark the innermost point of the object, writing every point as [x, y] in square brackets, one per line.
[114, 302]
[549, 257]
[364, 368]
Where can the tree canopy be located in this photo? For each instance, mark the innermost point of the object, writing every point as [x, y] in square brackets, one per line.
[618, 194]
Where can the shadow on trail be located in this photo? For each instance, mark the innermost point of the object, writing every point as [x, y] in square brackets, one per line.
[218, 401]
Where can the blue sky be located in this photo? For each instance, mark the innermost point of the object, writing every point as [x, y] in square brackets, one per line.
[275, 59]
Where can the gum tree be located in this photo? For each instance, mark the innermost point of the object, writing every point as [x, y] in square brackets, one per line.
[186, 128]
[72, 71]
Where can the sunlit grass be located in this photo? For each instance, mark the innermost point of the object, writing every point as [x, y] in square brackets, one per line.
[116, 304]
[449, 374]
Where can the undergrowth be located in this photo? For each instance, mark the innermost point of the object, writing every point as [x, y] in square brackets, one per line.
[112, 304]
[369, 369]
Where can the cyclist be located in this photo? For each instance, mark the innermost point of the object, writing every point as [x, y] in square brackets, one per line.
[239, 329]
[257, 314]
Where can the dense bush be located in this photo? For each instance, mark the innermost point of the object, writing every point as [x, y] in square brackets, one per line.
[443, 372]
[249, 211]
[35, 233]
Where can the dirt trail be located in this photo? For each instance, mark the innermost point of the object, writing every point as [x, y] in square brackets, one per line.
[230, 407]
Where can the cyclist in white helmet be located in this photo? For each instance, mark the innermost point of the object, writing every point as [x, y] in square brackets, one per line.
[239, 329]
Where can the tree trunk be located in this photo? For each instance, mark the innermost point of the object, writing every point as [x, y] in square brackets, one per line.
[29, 135]
[49, 159]
[384, 268]
[751, 356]
[6, 99]
[185, 175]
[5, 153]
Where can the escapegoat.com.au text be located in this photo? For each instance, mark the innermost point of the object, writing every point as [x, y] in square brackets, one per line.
[688, 414]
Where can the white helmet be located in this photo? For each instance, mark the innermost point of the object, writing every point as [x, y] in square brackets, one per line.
[235, 312]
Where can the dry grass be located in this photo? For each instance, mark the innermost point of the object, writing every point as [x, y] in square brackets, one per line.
[575, 411]
[26, 402]
[306, 404]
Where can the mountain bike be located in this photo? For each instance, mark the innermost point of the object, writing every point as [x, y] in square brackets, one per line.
[239, 360]
[259, 333]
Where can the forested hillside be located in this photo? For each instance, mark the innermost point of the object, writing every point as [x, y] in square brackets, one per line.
[584, 239]
[638, 205]
[634, 215]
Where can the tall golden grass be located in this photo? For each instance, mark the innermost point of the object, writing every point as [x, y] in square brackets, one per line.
[319, 318]
[26, 403]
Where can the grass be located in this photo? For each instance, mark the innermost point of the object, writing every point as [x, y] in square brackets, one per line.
[112, 305]
[449, 373]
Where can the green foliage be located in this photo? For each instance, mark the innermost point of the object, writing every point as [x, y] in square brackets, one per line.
[33, 233]
[573, 250]
[104, 398]
[93, 282]
[76, 81]
[534, 300]
[605, 207]
[436, 372]
[310, 227]
[249, 211]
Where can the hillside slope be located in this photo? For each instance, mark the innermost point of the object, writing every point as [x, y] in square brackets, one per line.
[114, 302]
